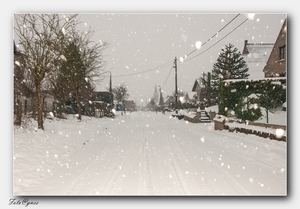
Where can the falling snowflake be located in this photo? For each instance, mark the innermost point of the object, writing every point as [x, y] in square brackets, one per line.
[17, 63]
[198, 44]
[279, 133]
[63, 31]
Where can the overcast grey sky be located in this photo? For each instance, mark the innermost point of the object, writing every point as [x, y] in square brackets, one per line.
[142, 46]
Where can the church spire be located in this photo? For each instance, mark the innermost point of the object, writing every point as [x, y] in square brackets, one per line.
[155, 95]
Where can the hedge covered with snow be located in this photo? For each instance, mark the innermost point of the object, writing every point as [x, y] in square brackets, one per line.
[245, 98]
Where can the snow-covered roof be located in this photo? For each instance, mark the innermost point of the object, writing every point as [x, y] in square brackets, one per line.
[256, 56]
[196, 85]
[257, 79]
[258, 53]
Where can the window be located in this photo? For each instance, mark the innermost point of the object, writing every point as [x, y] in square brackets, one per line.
[282, 53]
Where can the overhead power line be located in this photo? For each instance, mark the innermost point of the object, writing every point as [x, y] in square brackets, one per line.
[167, 76]
[145, 71]
[210, 39]
[166, 63]
[214, 34]
[217, 41]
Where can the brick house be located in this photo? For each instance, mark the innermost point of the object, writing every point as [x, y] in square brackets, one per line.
[276, 64]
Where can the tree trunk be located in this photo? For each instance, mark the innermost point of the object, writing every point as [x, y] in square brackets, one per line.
[25, 106]
[18, 113]
[78, 104]
[45, 108]
[208, 89]
[39, 106]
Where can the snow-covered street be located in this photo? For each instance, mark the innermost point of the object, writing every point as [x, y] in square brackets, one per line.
[145, 153]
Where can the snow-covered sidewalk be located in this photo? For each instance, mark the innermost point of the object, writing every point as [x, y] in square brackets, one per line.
[145, 153]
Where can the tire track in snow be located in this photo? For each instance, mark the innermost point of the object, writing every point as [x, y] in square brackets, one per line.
[203, 165]
[74, 184]
[145, 175]
[117, 129]
[125, 162]
[219, 171]
[136, 161]
[241, 180]
[175, 161]
[197, 182]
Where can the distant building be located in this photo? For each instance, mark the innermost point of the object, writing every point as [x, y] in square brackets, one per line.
[129, 105]
[169, 101]
[102, 103]
[276, 64]
[188, 97]
[200, 91]
[103, 96]
[197, 88]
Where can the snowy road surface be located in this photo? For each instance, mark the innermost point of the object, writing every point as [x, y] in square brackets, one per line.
[152, 154]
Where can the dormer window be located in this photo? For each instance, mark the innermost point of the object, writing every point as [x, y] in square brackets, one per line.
[282, 52]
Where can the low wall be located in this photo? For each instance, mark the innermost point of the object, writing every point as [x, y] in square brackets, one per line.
[267, 125]
[257, 133]
[195, 119]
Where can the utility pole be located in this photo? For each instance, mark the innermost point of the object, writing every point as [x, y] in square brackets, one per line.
[110, 84]
[175, 66]
[110, 91]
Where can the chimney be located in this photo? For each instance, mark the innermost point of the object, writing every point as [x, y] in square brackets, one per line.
[245, 50]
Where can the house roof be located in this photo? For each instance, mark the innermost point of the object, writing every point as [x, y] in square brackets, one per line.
[257, 52]
[131, 102]
[256, 56]
[169, 99]
[196, 84]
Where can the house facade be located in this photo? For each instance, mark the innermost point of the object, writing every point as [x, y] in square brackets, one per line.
[129, 105]
[200, 91]
[102, 103]
[276, 65]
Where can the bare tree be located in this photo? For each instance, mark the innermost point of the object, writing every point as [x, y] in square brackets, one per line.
[40, 39]
[23, 79]
[120, 92]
